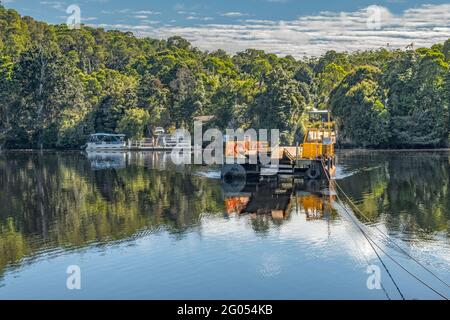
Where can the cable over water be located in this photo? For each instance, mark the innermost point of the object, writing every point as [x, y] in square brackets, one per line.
[372, 243]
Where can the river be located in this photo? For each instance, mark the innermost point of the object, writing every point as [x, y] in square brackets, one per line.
[136, 226]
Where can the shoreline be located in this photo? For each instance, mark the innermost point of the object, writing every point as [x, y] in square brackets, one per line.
[136, 150]
[394, 150]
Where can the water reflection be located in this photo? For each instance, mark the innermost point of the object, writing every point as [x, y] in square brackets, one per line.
[278, 198]
[71, 200]
[406, 191]
[107, 160]
[61, 200]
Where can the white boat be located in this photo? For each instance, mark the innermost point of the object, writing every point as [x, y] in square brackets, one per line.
[106, 141]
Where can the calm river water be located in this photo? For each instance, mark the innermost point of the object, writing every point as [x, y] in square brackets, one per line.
[136, 226]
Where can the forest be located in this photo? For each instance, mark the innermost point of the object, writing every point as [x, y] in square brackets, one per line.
[59, 85]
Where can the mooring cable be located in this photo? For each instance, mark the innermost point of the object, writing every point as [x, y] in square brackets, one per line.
[389, 256]
[387, 236]
[372, 243]
[392, 241]
[368, 263]
[395, 261]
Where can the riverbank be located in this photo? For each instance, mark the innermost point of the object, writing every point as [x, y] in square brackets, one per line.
[166, 149]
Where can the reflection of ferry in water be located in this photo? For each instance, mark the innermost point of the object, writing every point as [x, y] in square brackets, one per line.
[278, 198]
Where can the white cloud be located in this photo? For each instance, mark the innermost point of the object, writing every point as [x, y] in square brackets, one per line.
[151, 21]
[316, 34]
[199, 18]
[147, 12]
[57, 5]
[186, 12]
[119, 11]
[234, 14]
[88, 19]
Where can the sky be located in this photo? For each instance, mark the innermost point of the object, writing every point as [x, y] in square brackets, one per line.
[283, 27]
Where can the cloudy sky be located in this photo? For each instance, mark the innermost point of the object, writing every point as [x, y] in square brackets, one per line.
[295, 27]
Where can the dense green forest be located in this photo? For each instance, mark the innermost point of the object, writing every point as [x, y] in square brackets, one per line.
[59, 85]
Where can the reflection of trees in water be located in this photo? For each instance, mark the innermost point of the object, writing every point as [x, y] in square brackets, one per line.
[410, 191]
[261, 223]
[108, 183]
[418, 189]
[56, 200]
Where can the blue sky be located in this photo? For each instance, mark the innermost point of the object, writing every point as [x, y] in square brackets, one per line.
[296, 27]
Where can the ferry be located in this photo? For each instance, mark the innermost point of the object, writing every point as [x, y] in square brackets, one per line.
[313, 159]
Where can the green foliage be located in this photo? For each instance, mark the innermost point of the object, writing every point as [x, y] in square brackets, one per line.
[118, 93]
[358, 100]
[58, 85]
[133, 123]
[417, 95]
[411, 93]
[446, 50]
[283, 98]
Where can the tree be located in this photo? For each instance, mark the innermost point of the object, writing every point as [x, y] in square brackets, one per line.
[446, 50]
[133, 123]
[416, 96]
[8, 92]
[59, 85]
[178, 42]
[327, 79]
[154, 97]
[47, 85]
[187, 97]
[14, 36]
[119, 94]
[357, 105]
[279, 106]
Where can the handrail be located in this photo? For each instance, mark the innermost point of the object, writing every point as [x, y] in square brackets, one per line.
[289, 155]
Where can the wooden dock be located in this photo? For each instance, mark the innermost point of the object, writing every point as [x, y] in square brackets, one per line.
[149, 145]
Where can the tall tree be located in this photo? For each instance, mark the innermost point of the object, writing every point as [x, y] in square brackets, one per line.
[357, 103]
